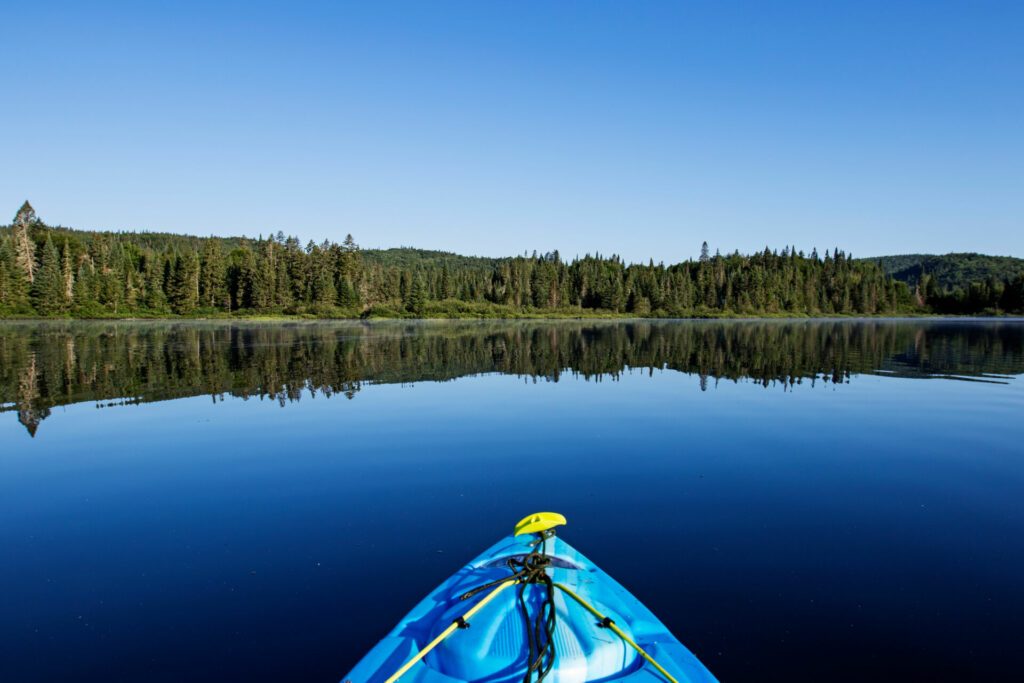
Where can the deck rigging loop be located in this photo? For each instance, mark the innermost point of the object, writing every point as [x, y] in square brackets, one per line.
[540, 633]
[527, 570]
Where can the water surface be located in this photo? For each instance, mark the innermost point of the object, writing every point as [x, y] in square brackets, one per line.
[797, 501]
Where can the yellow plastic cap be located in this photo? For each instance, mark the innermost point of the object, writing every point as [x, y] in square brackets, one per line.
[538, 522]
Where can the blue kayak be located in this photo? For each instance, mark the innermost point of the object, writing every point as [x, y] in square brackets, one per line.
[530, 608]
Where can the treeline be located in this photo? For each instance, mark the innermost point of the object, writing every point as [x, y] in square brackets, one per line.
[48, 364]
[990, 295]
[58, 272]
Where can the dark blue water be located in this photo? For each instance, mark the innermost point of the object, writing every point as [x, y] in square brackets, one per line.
[806, 501]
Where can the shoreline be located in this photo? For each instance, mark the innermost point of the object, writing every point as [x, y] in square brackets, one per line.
[516, 318]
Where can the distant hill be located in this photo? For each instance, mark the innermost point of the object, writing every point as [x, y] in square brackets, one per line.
[408, 258]
[157, 241]
[951, 271]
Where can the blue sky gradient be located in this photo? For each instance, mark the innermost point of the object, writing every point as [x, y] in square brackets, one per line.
[636, 128]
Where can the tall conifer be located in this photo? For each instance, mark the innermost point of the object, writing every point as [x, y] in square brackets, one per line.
[48, 287]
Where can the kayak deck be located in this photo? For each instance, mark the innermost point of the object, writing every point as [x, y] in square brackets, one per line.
[494, 647]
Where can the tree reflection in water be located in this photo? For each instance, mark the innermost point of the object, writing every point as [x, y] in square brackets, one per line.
[49, 364]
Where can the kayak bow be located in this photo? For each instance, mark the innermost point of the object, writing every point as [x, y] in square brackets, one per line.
[539, 610]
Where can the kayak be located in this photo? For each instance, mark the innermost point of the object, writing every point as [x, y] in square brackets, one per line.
[530, 608]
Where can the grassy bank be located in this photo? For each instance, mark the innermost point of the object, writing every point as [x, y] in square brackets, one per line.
[473, 311]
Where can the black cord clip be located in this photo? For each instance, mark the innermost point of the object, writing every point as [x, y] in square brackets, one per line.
[461, 623]
[605, 623]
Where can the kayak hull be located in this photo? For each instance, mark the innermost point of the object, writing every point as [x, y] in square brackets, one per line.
[493, 648]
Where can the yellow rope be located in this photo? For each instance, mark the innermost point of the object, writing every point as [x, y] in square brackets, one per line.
[611, 624]
[448, 631]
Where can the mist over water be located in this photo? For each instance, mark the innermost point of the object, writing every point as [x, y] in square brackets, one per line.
[813, 500]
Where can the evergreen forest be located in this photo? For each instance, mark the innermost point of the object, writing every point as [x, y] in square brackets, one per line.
[52, 271]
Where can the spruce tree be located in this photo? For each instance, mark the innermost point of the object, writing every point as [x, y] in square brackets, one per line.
[348, 297]
[184, 288]
[417, 297]
[10, 301]
[252, 286]
[153, 284]
[282, 285]
[212, 272]
[85, 288]
[114, 278]
[48, 287]
[323, 293]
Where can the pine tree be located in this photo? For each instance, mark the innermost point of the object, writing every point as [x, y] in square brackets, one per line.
[132, 288]
[255, 287]
[282, 285]
[12, 300]
[446, 282]
[24, 247]
[417, 298]
[212, 272]
[323, 293]
[348, 297]
[85, 288]
[183, 294]
[153, 283]
[67, 276]
[115, 266]
[48, 287]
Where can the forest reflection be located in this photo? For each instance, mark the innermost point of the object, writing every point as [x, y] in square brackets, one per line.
[48, 364]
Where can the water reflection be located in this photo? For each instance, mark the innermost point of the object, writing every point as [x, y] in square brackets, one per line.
[44, 365]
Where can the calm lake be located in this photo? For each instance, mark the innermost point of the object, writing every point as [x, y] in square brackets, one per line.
[797, 501]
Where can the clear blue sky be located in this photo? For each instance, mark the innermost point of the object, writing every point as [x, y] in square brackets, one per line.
[636, 128]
